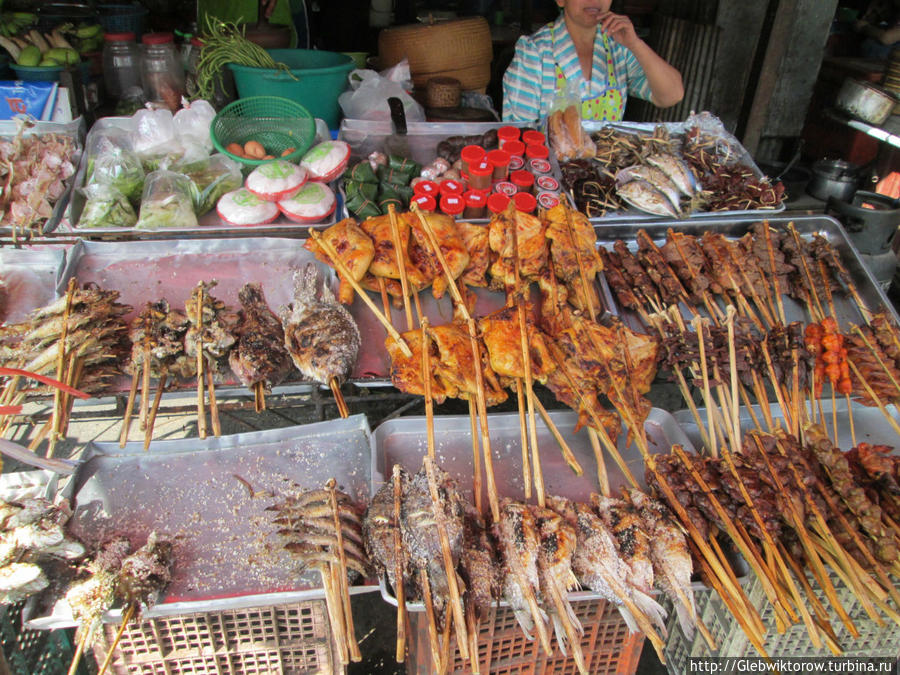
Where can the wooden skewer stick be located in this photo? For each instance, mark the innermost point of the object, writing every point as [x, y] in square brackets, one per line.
[145, 386]
[426, 387]
[401, 264]
[129, 407]
[87, 632]
[476, 457]
[343, 410]
[523, 433]
[462, 639]
[343, 588]
[60, 366]
[201, 396]
[602, 475]
[874, 397]
[259, 396]
[399, 568]
[213, 405]
[429, 614]
[342, 268]
[151, 416]
[585, 285]
[126, 618]
[707, 395]
[73, 379]
[333, 606]
[567, 453]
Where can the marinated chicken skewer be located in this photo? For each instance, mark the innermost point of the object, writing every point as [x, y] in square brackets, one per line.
[259, 358]
[355, 248]
[320, 335]
[322, 529]
[142, 577]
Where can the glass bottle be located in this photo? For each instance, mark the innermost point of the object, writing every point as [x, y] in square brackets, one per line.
[161, 72]
[121, 66]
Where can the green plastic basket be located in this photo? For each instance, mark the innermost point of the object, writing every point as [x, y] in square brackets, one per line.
[277, 123]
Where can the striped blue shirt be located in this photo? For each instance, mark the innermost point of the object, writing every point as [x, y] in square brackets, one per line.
[530, 82]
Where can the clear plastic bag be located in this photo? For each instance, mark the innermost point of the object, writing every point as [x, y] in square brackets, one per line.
[712, 134]
[154, 132]
[105, 207]
[167, 202]
[112, 163]
[221, 174]
[192, 124]
[370, 90]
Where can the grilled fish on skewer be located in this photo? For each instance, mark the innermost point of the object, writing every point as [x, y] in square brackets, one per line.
[146, 572]
[158, 331]
[479, 563]
[378, 533]
[320, 335]
[670, 557]
[219, 325]
[90, 598]
[259, 354]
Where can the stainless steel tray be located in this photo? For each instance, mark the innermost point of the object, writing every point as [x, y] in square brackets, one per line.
[30, 276]
[144, 271]
[847, 311]
[227, 554]
[75, 129]
[869, 423]
[403, 441]
[209, 224]
[633, 215]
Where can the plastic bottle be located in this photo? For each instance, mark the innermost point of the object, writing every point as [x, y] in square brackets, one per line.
[161, 72]
[121, 66]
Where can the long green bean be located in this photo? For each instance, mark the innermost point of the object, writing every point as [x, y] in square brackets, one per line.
[224, 43]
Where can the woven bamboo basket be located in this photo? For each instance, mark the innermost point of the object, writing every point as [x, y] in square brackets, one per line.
[461, 49]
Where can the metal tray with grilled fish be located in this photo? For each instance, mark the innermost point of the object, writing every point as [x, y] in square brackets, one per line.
[632, 214]
[227, 554]
[403, 441]
[846, 309]
[209, 224]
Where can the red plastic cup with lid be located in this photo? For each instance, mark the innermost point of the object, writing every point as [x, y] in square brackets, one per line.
[533, 151]
[523, 180]
[469, 155]
[476, 203]
[525, 202]
[533, 137]
[452, 187]
[507, 133]
[426, 187]
[453, 204]
[499, 160]
[481, 175]
[497, 202]
[514, 148]
[424, 202]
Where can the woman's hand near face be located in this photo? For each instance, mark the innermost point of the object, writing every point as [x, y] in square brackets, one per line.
[620, 29]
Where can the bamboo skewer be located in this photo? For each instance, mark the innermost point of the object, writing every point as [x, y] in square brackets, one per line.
[343, 410]
[707, 395]
[145, 386]
[151, 417]
[602, 475]
[462, 639]
[56, 418]
[426, 386]
[399, 569]
[476, 457]
[523, 432]
[401, 265]
[126, 617]
[259, 396]
[129, 407]
[201, 397]
[429, 614]
[343, 588]
[333, 607]
[567, 453]
[213, 405]
[87, 633]
[342, 268]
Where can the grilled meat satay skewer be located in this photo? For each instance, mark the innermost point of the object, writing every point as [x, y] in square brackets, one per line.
[259, 357]
[320, 335]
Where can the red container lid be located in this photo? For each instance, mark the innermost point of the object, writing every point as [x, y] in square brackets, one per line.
[453, 204]
[157, 38]
[525, 201]
[498, 158]
[451, 187]
[522, 179]
[118, 37]
[425, 202]
[514, 148]
[481, 169]
[475, 198]
[471, 154]
[426, 187]
[508, 133]
[537, 151]
[530, 136]
[497, 202]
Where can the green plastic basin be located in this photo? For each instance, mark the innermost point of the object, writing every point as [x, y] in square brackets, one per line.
[315, 80]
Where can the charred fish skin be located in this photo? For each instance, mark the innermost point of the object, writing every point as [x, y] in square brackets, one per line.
[627, 527]
[479, 563]
[259, 354]
[518, 545]
[378, 533]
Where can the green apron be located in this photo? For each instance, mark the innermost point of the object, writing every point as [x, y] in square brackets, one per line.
[608, 106]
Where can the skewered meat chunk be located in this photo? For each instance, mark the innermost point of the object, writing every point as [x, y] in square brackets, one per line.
[573, 241]
[479, 563]
[356, 251]
[158, 333]
[887, 335]
[658, 269]
[146, 572]
[530, 254]
[378, 529]
[218, 325]
[260, 354]
[455, 366]
[475, 237]
[406, 371]
[452, 246]
[320, 334]
[384, 262]
[503, 339]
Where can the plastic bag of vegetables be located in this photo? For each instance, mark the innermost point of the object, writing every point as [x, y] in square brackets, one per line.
[105, 206]
[167, 202]
[192, 123]
[221, 174]
[111, 162]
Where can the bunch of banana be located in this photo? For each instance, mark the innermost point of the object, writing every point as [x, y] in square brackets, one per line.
[33, 49]
[12, 23]
[86, 37]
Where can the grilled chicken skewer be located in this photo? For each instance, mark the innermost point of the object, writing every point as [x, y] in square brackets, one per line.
[320, 335]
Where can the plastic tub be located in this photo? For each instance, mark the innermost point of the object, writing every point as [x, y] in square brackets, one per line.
[47, 73]
[319, 77]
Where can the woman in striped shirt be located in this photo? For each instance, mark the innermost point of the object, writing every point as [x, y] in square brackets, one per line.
[591, 51]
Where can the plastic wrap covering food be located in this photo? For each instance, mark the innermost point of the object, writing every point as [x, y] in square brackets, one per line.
[106, 206]
[167, 202]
